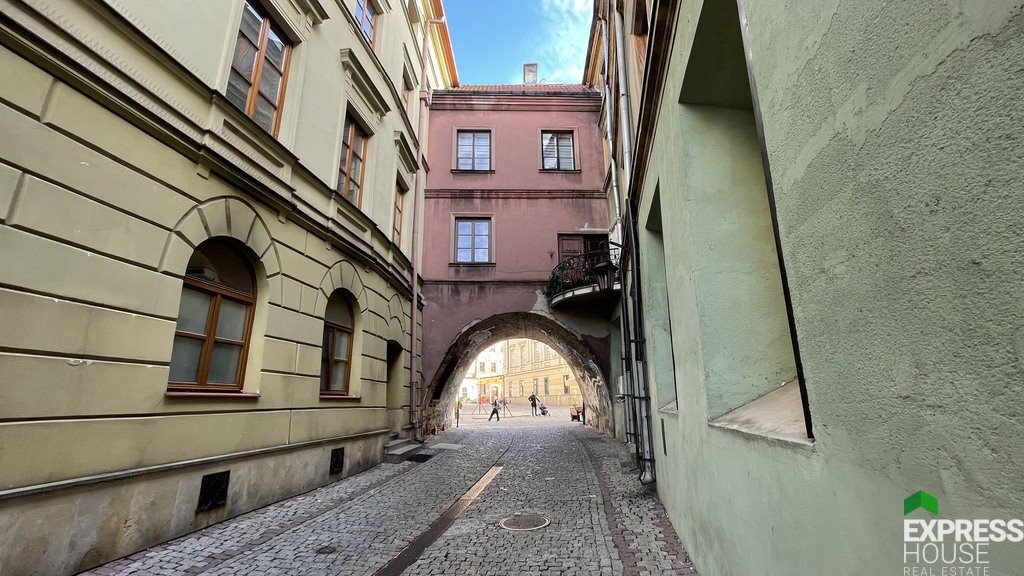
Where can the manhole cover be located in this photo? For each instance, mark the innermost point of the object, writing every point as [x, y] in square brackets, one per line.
[326, 550]
[524, 522]
[420, 457]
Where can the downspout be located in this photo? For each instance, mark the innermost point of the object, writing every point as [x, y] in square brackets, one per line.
[616, 238]
[647, 473]
[415, 385]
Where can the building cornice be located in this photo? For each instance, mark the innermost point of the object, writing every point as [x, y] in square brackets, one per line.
[539, 101]
[518, 194]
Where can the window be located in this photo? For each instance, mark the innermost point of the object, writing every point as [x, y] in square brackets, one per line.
[337, 462]
[548, 352]
[522, 389]
[480, 367]
[557, 151]
[547, 389]
[565, 384]
[214, 319]
[494, 367]
[473, 150]
[472, 240]
[259, 69]
[366, 19]
[353, 152]
[396, 226]
[522, 355]
[213, 491]
[336, 355]
[536, 351]
[535, 386]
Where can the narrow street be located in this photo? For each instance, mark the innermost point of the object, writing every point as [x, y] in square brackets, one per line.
[602, 521]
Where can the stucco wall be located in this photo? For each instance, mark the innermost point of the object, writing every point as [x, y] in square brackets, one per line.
[529, 208]
[118, 156]
[893, 135]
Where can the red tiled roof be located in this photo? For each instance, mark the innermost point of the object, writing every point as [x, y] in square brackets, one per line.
[526, 88]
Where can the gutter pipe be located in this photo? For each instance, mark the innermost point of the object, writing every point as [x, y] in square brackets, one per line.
[643, 401]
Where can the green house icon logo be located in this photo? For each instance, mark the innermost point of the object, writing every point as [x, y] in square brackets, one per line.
[921, 499]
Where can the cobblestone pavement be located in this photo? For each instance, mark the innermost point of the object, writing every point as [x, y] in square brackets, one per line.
[602, 521]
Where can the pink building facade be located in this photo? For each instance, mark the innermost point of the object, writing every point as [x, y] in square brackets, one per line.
[516, 186]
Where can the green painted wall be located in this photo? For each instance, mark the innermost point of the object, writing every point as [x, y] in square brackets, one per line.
[893, 133]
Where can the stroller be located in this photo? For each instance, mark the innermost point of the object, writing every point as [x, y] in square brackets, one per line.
[543, 409]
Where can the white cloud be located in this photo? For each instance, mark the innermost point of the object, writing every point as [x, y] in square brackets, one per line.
[560, 49]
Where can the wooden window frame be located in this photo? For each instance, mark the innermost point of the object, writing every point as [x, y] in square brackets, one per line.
[473, 235]
[558, 166]
[219, 292]
[331, 331]
[396, 214]
[364, 7]
[345, 168]
[261, 53]
[472, 158]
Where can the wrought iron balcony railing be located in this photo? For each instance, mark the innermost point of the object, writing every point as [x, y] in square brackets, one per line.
[584, 270]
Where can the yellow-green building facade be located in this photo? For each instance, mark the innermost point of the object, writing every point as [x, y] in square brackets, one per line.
[532, 367]
[193, 196]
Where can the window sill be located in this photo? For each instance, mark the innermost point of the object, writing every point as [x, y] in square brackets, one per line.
[672, 408]
[340, 398]
[211, 394]
[457, 171]
[778, 416]
[556, 171]
[472, 264]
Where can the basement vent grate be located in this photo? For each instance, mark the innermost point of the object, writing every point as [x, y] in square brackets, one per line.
[213, 491]
[337, 461]
[420, 457]
[522, 522]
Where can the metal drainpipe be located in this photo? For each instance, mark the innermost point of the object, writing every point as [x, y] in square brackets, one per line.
[415, 385]
[647, 473]
[629, 395]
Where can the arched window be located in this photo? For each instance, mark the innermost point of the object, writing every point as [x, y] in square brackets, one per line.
[214, 319]
[336, 358]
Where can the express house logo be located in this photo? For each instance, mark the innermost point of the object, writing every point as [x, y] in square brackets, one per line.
[934, 546]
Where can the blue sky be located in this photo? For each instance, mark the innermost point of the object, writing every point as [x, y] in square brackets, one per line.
[492, 39]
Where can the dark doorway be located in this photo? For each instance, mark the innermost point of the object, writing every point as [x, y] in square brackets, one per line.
[570, 245]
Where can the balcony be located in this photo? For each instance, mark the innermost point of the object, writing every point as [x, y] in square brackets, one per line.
[590, 279]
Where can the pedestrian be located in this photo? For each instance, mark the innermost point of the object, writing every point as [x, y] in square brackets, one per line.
[533, 404]
[495, 409]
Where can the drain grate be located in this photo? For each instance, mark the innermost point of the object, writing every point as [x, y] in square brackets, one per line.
[420, 457]
[524, 522]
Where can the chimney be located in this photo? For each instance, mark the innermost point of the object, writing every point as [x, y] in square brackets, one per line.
[529, 73]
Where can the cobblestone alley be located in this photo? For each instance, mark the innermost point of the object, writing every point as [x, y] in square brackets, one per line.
[602, 521]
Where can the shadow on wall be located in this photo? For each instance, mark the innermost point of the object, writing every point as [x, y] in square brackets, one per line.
[444, 387]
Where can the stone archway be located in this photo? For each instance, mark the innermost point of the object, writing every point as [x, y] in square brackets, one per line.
[443, 389]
